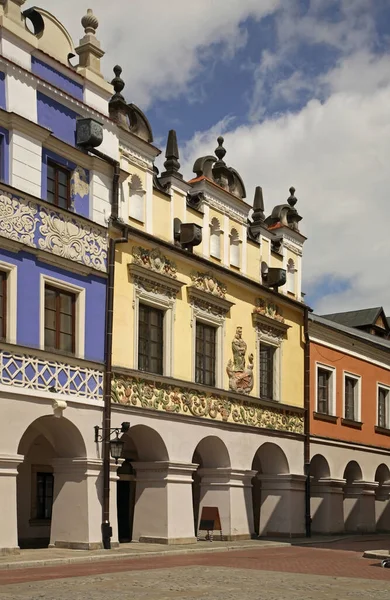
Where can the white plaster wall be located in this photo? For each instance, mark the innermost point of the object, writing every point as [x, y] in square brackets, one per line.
[14, 49]
[338, 457]
[94, 99]
[110, 143]
[21, 96]
[100, 190]
[25, 163]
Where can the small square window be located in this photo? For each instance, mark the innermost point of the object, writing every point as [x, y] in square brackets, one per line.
[205, 354]
[58, 185]
[60, 320]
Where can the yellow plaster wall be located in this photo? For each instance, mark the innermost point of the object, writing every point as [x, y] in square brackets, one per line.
[162, 220]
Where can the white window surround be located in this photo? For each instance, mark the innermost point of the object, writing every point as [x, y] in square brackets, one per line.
[358, 394]
[137, 199]
[215, 238]
[12, 300]
[219, 324]
[158, 291]
[235, 248]
[385, 387]
[268, 340]
[291, 270]
[80, 311]
[332, 387]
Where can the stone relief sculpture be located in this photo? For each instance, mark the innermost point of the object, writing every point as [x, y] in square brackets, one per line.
[240, 378]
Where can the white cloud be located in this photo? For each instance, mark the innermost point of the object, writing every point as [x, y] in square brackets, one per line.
[336, 154]
[161, 45]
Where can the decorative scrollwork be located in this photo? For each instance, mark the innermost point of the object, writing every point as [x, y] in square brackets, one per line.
[17, 218]
[208, 283]
[154, 260]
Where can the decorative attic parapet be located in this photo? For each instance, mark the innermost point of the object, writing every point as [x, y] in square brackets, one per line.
[89, 49]
[46, 228]
[216, 170]
[285, 215]
[128, 116]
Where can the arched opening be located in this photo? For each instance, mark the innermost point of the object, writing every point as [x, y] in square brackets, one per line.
[215, 238]
[320, 498]
[210, 454]
[382, 494]
[43, 489]
[234, 248]
[352, 498]
[136, 199]
[270, 462]
[142, 445]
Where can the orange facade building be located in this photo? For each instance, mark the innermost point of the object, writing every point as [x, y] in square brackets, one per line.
[350, 422]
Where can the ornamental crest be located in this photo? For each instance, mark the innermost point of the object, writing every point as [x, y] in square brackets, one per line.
[208, 283]
[268, 309]
[154, 260]
[240, 378]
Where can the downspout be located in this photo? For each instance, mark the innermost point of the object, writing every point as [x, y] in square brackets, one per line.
[306, 400]
[109, 318]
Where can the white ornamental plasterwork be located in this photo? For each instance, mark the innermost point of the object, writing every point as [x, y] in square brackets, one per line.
[136, 157]
[17, 218]
[79, 183]
[292, 245]
[68, 239]
[239, 215]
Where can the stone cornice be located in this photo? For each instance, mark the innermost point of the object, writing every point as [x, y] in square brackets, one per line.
[205, 298]
[154, 280]
[261, 321]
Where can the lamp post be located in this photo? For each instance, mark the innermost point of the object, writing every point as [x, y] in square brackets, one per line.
[116, 445]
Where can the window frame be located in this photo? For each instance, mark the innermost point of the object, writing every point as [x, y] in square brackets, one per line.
[79, 317]
[272, 370]
[58, 313]
[386, 388]
[35, 471]
[10, 310]
[162, 312]
[58, 167]
[214, 328]
[357, 396]
[332, 388]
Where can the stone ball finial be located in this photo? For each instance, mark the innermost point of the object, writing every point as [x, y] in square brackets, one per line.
[220, 151]
[90, 22]
[118, 83]
[292, 200]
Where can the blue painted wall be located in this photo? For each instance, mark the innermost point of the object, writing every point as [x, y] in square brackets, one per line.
[3, 101]
[58, 118]
[80, 204]
[29, 269]
[53, 76]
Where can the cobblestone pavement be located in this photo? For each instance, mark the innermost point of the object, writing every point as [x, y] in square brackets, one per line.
[297, 573]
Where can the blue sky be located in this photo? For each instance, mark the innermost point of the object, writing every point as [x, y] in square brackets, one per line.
[301, 91]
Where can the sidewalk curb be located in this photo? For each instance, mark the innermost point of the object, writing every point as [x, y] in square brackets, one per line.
[380, 554]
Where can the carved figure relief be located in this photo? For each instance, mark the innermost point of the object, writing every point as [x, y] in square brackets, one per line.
[240, 378]
[268, 309]
[155, 261]
[208, 283]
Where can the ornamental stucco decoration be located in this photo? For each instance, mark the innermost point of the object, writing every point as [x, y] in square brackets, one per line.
[240, 377]
[154, 260]
[67, 238]
[208, 283]
[268, 309]
[17, 218]
[155, 395]
[79, 183]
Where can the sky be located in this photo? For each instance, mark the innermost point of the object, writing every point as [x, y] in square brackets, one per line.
[300, 90]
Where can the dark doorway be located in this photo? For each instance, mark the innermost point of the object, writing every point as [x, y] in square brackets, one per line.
[125, 498]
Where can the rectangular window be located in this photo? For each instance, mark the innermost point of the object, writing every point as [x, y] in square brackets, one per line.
[3, 305]
[350, 397]
[205, 354]
[58, 185]
[383, 399]
[323, 391]
[267, 354]
[59, 320]
[44, 499]
[150, 339]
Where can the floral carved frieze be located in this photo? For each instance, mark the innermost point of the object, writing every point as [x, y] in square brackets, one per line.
[156, 395]
[206, 282]
[43, 228]
[155, 261]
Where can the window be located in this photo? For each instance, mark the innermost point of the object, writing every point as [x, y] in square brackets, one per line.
[324, 391]
[3, 305]
[215, 238]
[267, 354]
[59, 320]
[383, 407]
[291, 276]
[136, 199]
[58, 185]
[205, 354]
[44, 495]
[234, 248]
[150, 339]
[351, 398]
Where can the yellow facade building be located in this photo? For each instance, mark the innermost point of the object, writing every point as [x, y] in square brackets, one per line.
[208, 347]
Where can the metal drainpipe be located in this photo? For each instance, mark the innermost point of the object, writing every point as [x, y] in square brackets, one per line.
[109, 317]
[306, 446]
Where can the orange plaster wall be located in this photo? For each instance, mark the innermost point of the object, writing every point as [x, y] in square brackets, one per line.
[370, 374]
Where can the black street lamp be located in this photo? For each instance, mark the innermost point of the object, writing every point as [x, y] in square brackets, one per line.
[116, 445]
